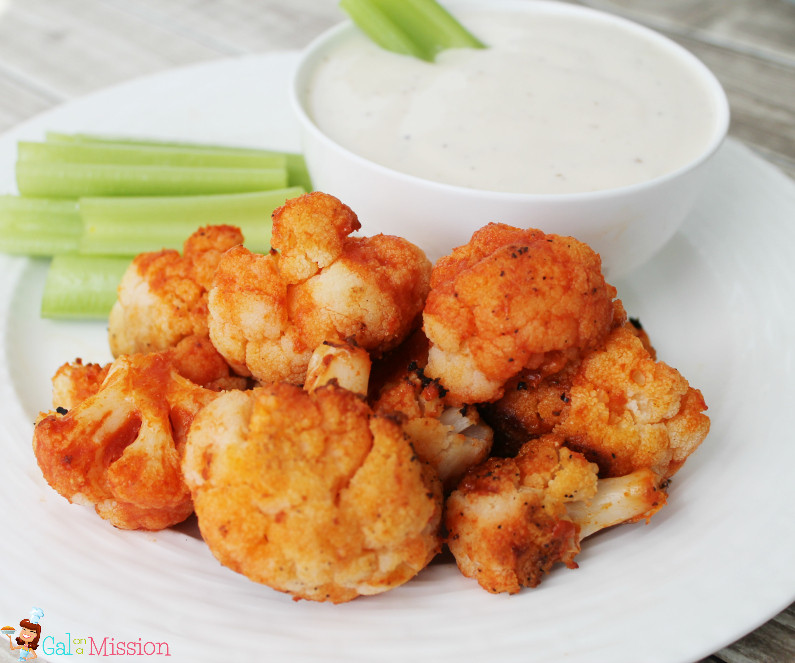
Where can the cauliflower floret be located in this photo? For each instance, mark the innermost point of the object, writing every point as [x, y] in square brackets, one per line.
[120, 448]
[510, 300]
[451, 438]
[162, 296]
[74, 382]
[309, 233]
[311, 494]
[625, 499]
[267, 317]
[507, 521]
[535, 403]
[194, 358]
[348, 366]
[531, 406]
[512, 519]
[627, 411]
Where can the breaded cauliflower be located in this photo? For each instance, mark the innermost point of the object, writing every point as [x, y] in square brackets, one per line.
[531, 406]
[310, 233]
[194, 358]
[534, 403]
[311, 494]
[511, 300]
[627, 411]
[269, 312]
[120, 449]
[451, 439]
[162, 297]
[74, 382]
[512, 519]
[346, 365]
[626, 499]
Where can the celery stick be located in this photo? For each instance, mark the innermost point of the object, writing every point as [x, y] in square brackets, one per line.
[140, 155]
[297, 172]
[424, 24]
[81, 287]
[107, 139]
[431, 23]
[76, 180]
[114, 226]
[381, 29]
[296, 166]
[39, 227]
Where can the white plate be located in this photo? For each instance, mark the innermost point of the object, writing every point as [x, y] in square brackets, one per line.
[713, 565]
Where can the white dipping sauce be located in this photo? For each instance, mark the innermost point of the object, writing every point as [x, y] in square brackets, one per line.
[557, 103]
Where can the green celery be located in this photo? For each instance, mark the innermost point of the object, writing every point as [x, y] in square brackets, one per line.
[39, 227]
[297, 172]
[381, 29]
[114, 226]
[81, 287]
[108, 139]
[76, 180]
[424, 24]
[142, 155]
[429, 24]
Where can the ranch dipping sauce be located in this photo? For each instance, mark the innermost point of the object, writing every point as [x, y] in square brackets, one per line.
[557, 103]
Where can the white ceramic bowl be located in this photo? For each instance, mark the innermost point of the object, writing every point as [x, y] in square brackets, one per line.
[626, 225]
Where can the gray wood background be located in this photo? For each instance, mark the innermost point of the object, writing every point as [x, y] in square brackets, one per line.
[52, 51]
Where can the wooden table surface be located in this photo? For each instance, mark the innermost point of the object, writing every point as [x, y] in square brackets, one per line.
[52, 51]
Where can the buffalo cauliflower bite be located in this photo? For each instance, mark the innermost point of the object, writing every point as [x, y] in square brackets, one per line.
[534, 403]
[120, 448]
[74, 382]
[627, 411]
[511, 300]
[626, 499]
[348, 366]
[162, 297]
[269, 312]
[310, 233]
[512, 519]
[450, 438]
[311, 494]
[194, 358]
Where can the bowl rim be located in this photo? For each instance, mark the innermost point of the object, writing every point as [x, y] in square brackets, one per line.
[327, 39]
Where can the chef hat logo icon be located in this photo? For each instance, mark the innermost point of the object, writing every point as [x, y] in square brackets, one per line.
[27, 641]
